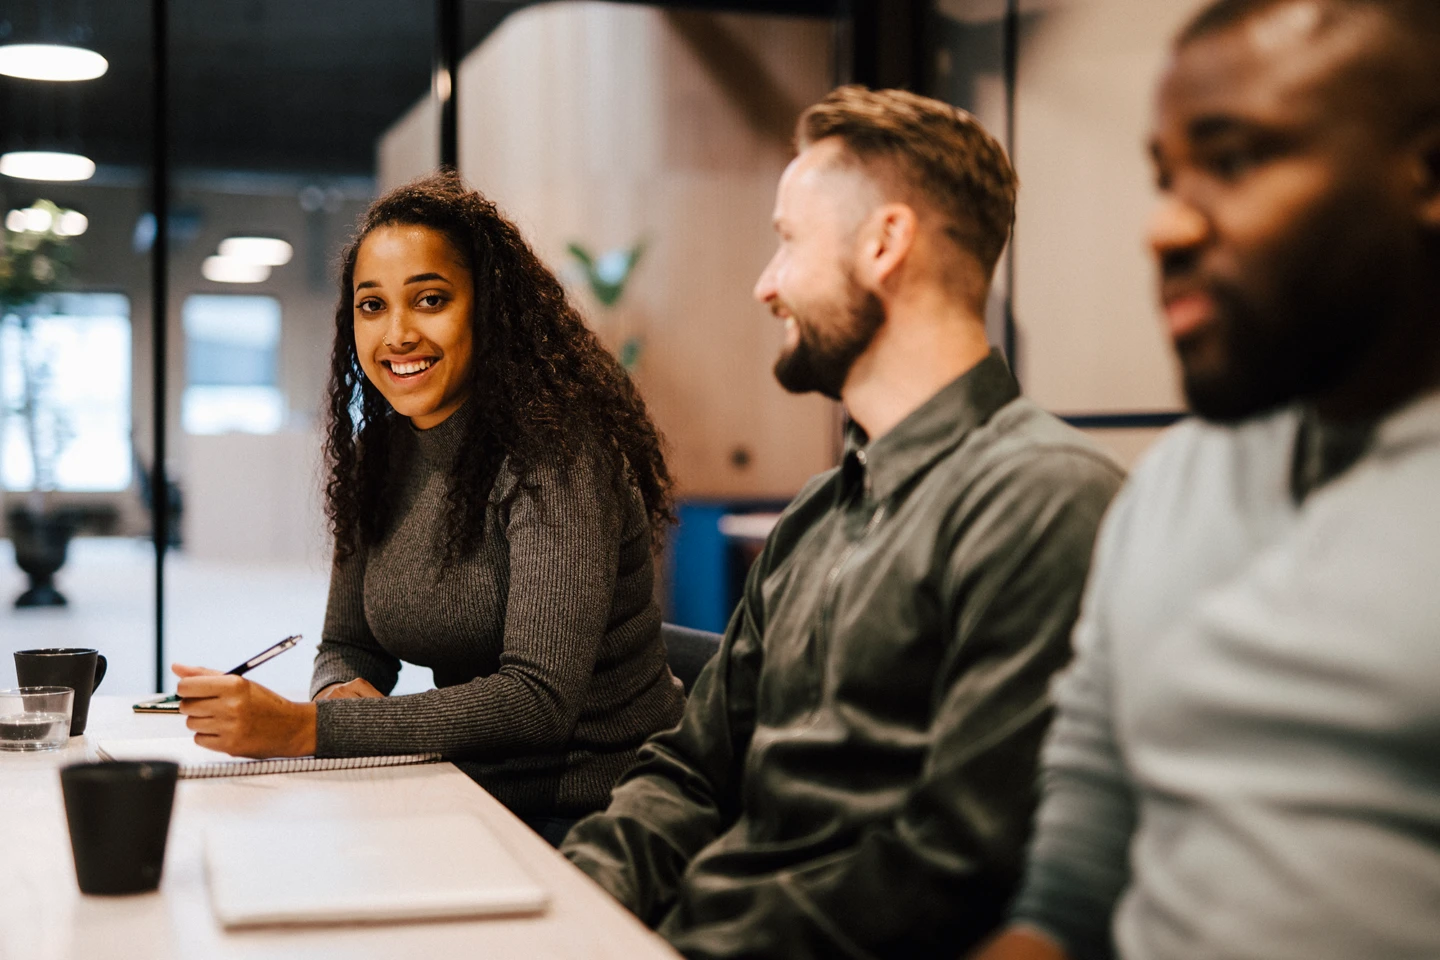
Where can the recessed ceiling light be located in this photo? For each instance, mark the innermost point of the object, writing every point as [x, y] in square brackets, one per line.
[267, 250]
[46, 165]
[49, 61]
[231, 270]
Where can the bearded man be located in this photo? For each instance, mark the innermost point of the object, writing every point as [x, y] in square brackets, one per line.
[1245, 761]
[854, 772]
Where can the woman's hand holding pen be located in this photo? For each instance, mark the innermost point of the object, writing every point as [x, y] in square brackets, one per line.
[236, 716]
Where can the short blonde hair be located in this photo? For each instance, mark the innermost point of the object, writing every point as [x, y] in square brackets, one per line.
[938, 150]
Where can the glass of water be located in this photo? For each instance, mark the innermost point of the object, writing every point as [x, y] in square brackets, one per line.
[35, 718]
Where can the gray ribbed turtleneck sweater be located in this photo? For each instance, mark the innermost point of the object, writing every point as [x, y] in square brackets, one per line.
[544, 643]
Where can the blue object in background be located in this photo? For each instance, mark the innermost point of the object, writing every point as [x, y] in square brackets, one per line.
[707, 568]
[700, 592]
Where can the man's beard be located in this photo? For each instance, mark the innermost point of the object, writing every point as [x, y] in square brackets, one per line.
[1267, 363]
[821, 359]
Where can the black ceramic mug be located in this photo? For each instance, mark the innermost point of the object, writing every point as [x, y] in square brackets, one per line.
[119, 818]
[78, 668]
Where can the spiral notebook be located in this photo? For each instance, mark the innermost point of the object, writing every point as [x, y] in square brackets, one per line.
[196, 761]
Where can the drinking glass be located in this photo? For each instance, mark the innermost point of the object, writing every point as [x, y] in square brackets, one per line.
[35, 718]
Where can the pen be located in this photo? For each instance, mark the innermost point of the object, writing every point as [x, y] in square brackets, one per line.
[269, 653]
[264, 655]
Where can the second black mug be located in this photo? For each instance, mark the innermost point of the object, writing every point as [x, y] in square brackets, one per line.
[78, 668]
[119, 818]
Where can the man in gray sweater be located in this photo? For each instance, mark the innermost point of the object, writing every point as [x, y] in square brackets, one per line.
[854, 772]
[1246, 759]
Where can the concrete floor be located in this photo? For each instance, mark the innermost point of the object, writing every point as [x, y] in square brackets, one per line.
[217, 615]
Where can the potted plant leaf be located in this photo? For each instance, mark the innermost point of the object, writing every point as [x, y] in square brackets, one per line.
[607, 276]
[35, 256]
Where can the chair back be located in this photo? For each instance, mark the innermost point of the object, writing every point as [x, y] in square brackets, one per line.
[687, 651]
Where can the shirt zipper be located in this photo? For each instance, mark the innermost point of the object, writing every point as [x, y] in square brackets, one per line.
[832, 589]
[755, 754]
[827, 609]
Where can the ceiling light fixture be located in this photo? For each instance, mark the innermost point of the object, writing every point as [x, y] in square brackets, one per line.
[46, 165]
[221, 269]
[51, 61]
[259, 250]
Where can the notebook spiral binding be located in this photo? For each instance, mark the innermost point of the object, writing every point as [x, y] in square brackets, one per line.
[300, 765]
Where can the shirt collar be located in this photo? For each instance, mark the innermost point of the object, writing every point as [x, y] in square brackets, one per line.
[930, 431]
[1323, 451]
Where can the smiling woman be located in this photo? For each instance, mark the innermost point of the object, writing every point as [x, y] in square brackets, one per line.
[496, 489]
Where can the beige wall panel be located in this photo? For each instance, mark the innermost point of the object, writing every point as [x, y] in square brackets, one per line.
[1090, 336]
[710, 349]
[560, 116]
[410, 148]
[734, 86]
[256, 499]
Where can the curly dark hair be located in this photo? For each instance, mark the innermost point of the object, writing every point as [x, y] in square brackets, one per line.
[547, 389]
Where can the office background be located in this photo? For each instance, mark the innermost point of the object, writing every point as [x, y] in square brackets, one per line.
[607, 125]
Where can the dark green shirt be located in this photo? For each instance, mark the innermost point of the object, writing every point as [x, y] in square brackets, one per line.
[854, 774]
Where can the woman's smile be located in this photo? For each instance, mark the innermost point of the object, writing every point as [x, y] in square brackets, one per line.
[408, 369]
[409, 373]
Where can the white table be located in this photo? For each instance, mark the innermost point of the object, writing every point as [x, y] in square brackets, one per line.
[43, 915]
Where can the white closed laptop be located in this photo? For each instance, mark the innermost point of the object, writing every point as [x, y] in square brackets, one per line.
[264, 872]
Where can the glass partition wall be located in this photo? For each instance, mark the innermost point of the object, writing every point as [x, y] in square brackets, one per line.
[76, 567]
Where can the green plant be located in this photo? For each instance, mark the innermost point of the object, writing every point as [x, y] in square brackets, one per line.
[34, 256]
[607, 276]
[608, 273]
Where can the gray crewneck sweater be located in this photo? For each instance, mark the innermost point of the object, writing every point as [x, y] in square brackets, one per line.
[1243, 762]
[544, 643]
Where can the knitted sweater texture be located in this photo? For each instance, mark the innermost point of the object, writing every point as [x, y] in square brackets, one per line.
[544, 643]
